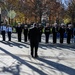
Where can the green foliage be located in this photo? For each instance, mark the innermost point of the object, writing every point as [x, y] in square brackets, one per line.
[67, 20]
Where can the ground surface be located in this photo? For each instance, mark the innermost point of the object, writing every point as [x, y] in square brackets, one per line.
[54, 59]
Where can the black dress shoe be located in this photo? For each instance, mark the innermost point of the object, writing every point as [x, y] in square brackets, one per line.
[36, 56]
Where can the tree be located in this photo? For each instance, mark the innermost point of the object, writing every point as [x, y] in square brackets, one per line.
[34, 9]
[71, 11]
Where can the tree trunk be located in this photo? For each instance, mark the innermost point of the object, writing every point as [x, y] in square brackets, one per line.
[72, 18]
[40, 16]
[25, 20]
[12, 22]
[35, 19]
[9, 21]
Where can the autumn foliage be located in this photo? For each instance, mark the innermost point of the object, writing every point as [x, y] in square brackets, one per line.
[34, 10]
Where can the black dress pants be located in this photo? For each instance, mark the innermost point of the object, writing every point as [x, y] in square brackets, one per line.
[54, 37]
[25, 37]
[9, 36]
[34, 49]
[47, 38]
[3, 35]
[19, 37]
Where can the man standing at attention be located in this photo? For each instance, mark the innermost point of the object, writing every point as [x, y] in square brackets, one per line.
[3, 31]
[9, 32]
[34, 40]
[19, 31]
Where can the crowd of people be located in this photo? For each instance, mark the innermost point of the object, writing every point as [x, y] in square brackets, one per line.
[34, 33]
[62, 30]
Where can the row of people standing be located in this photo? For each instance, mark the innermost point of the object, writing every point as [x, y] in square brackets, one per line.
[63, 31]
[47, 30]
[8, 29]
[19, 32]
[4, 29]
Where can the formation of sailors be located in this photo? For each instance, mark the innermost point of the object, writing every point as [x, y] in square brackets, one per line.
[47, 30]
[62, 30]
[4, 29]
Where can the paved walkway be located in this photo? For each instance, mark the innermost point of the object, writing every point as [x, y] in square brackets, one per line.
[54, 59]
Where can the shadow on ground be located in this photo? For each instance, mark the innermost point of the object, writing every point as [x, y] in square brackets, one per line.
[15, 70]
[18, 44]
[57, 46]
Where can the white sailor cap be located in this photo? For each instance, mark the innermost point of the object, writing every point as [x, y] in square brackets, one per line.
[19, 23]
[69, 25]
[25, 25]
[62, 24]
[55, 23]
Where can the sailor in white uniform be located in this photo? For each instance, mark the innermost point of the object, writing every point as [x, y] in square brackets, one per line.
[9, 32]
[3, 31]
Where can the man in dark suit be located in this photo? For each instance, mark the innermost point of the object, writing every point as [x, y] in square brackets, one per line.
[25, 33]
[54, 31]
[69, 33]
[34, 40]
[41, 31]
[62, 31]
[47, 32]
[19, 31]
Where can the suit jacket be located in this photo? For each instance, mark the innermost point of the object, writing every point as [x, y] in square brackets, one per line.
[26, 31]
[54, 30]
[34, 35]
[47, 30]
[69, 31]
[18, 29]
[62, 30]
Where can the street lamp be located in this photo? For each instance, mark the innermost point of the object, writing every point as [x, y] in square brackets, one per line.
[0, 15]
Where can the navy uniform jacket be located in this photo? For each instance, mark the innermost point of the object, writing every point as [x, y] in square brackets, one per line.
[61, 31]
[18, 29]
[54, 30]
[69, 31]
[25, 31]
[47, 30]
[40, 29]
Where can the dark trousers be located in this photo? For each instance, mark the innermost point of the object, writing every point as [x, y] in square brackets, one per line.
[34, 49]
[3, 35]
[68, 39]
[47, 38]
[9, 36]
[61, 38]
[54, 37]
[19, 37]
[25, 37]
[40, 37]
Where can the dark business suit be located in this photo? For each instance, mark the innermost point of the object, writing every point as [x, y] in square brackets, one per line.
[61, 31]
[40, 32]
[69, 34]
[54, 31]
[19, 32]
[47, 33]
[25, 34]
[34, 40]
